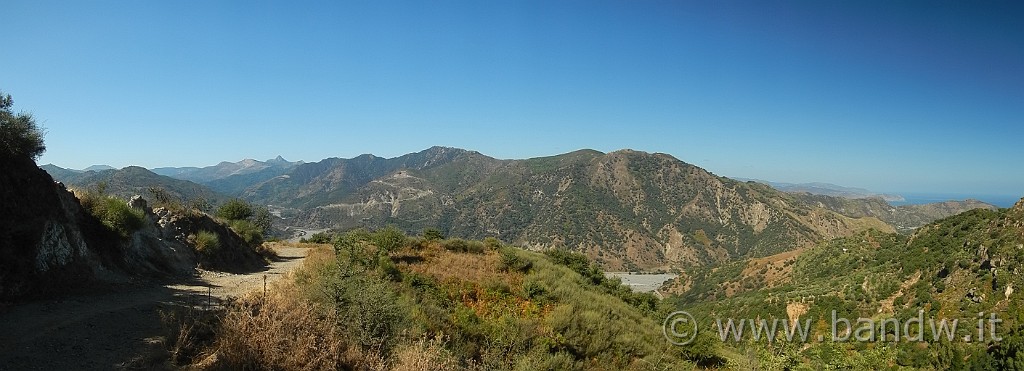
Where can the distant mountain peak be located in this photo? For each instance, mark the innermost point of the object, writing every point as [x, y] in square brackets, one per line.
[626, 151]
[226, 169]
[99, 168]
[442, 150]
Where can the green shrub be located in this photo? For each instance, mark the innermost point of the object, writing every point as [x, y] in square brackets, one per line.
[433, 234]
[248, 231]
[235, 209]
[206, 242]
[250, 222]
[114, 213]
[475, 247]
[460, 245]
[388, 269]
[121, 218]
[388, 239]
[20, 136]
[512, 262]
[577, 262]
[533, 289]
[369, 309]
[319, 237]
[456, 245]
[492, 243]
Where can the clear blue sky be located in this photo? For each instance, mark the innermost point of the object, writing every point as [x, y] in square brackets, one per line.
[891, 96]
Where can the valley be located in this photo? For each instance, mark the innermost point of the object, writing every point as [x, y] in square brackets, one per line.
[511, 185]
[451, 259]
[645, 234]
[651, 211]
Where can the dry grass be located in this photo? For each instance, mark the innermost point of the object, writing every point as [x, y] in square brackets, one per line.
[477, 281]
[426, 355]
[282, 332]
[775, 269]
[287, 331]
[447, 266]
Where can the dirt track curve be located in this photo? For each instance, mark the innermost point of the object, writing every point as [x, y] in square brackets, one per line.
[110, 328]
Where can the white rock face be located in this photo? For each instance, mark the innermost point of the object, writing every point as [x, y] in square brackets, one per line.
[59, 246]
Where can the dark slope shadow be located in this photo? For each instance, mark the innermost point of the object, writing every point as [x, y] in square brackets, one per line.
[103, 327]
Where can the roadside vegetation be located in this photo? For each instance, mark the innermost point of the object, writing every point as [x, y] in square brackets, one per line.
[113, 212]
[232, 241]
[249, 221]
[385, 301]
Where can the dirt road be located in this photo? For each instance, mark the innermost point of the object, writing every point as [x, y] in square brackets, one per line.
[111, 328]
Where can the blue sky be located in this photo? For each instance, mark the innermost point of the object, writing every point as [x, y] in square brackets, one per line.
[891, 96]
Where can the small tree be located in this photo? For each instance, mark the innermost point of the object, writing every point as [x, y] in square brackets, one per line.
[235, 209]
[388, 239]
[262, 218]
[432, 234]
[20, 137]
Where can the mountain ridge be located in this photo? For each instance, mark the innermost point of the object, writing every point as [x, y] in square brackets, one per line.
[626, 209]
[225, 169]
[651, 210]
[135, 180]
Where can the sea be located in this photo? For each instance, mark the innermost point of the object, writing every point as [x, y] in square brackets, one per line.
[927, 198]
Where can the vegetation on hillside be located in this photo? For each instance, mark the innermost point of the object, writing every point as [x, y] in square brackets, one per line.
[382, 300]
[621, 209]
[249, 221]
[114, 212]
[954, 268]
[905, 218]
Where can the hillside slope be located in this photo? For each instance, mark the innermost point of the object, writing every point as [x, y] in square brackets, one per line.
[231, 178]
[826, 189]
[626, 209]
[134, 180]
[953, 268]
[386, 302]
[903, 218]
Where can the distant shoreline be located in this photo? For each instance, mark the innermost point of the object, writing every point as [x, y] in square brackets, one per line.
[927, 198]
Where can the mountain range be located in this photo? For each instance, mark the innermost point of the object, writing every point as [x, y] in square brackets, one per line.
[134, 180]
[626, 209]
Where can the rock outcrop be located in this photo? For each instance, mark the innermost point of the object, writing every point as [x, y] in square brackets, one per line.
[50, 243]
[46, 239]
